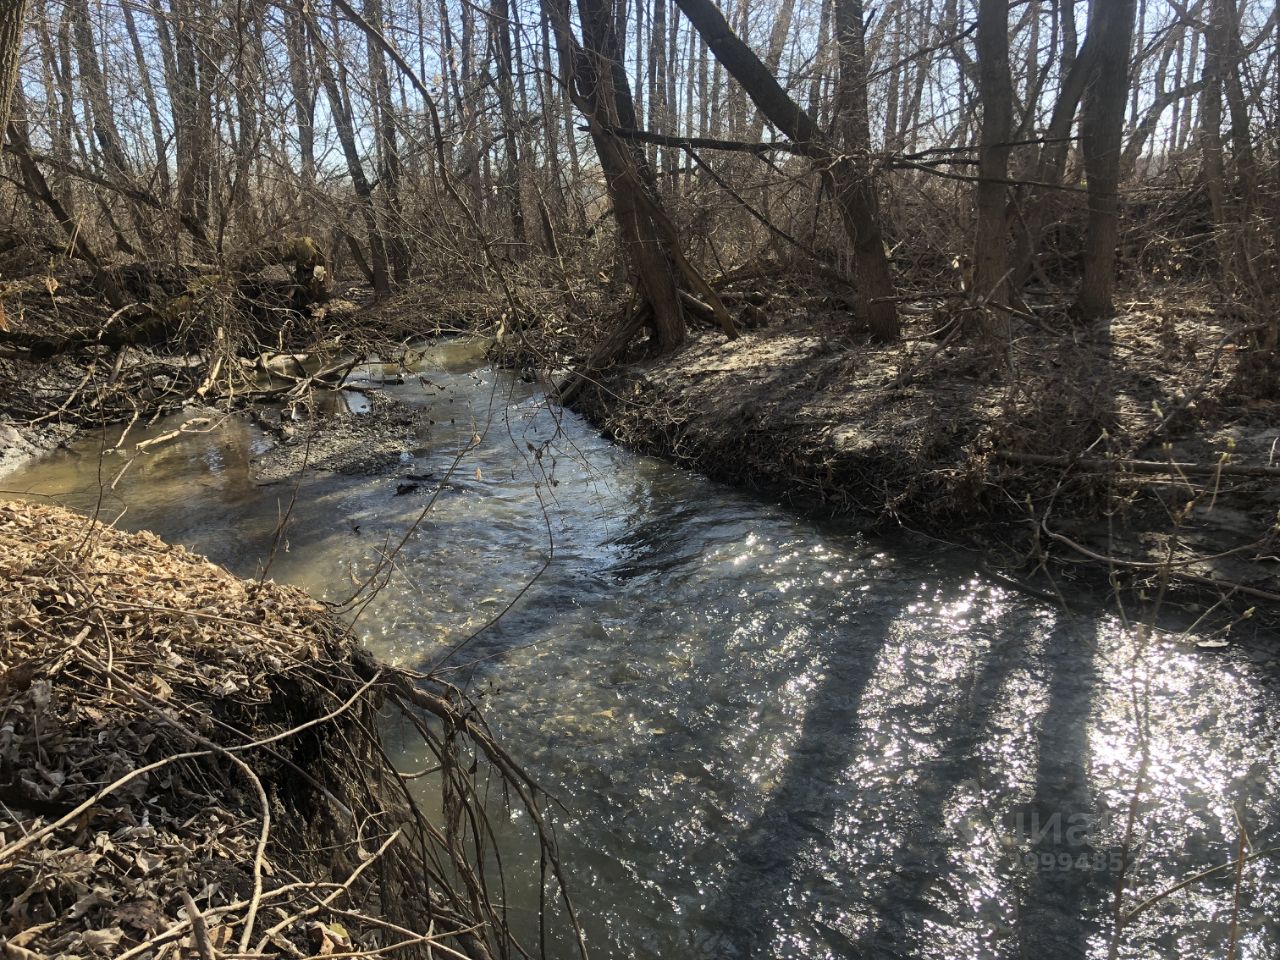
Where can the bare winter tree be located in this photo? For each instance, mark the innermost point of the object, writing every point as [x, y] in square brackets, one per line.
[665, 278]
[676, 143]
[848, 175]
[1102, 139]
[12, 17]
[995, 93]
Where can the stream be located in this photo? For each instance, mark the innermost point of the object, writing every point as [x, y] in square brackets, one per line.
[771, 736]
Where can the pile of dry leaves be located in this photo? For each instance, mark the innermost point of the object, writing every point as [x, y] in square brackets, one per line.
[190, 765]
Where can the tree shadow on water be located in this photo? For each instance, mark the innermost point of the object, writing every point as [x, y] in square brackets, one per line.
[914, 880]
[1048, 905]
[921, 860]
[1053, 922]
[802, 807]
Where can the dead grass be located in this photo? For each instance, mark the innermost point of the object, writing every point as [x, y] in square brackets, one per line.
[191, 765]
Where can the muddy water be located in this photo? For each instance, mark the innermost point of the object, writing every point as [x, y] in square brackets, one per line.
[771, 737]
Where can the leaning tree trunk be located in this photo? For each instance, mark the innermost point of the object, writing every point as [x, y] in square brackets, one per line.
[848, 176]
[345, 129]
[665, 279]
[37, 187]
[1102, 139]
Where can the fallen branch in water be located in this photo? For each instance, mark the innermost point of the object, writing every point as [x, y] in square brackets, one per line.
[194, 425]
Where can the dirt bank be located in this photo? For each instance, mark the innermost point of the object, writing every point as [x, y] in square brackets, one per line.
[190, 765]
[375, 438]
[1154, 441]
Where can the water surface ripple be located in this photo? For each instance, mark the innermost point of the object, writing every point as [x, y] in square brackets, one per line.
[772, 737]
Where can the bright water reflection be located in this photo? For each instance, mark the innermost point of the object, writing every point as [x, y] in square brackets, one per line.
[772, 738]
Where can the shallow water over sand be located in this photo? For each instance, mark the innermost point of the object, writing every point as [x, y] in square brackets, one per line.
[771, 737]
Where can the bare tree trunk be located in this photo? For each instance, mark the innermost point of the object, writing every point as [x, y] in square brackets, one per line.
[1150, 122]
[304, 97]
[248, 64]
[650, 241]
[548, 96]
[1102, 138]
[1053, 153]
[893, 96]
[576, 205]
[672, 165]
[1232, 199]
[658, 79]
[1189, 113]
[991, 236]
[500, 29]
[1179, 68]
[854, 184]
[12, 17]
[95, 89]
[909, 133]
[99, 108]
[38, 188]
[643, 16]
[704, 87]
[691, 117]
[471, 148]
[773, 56]
[62, 125]
[1136, 51]
[148, 92]
[191, 120]
[1070, 41]
[736, 96]
[388, 148]
[1226, 12]
[847, 175]
[819, 60]
[449, 57]
[1215, 174]
[346, 136]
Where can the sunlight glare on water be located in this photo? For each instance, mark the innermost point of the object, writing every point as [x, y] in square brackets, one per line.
[772, 737]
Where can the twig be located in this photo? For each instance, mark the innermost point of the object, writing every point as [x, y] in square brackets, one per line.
[1140, 466]
[199, 932]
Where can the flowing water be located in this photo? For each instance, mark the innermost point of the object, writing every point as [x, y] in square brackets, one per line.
[771, 736]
